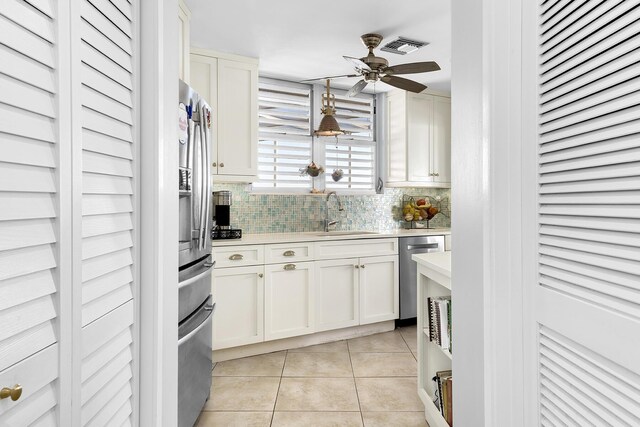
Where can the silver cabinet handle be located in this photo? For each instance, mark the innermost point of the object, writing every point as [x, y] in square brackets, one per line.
[236, 257]
[289, 253]
[356, 266]
[260, 275]
[362, 266]
[214, 164]
[289, 267]
[221, 165]
[436, 174]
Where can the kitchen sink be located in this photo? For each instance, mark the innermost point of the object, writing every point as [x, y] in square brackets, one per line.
[346, 233]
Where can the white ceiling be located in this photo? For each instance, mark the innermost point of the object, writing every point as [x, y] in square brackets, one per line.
[298, 39]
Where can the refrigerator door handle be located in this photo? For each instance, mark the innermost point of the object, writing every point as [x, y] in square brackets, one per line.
[204, 162]
[197, 328]
[197, 277]
[201, 194]
[194, 141]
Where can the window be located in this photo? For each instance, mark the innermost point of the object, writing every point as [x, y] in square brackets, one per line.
[286, 142]
[284, 139]
[355, 153]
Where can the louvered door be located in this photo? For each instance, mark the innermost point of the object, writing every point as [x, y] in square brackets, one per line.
[587, 293]
[106, 88]
[68, 144]
[30, 210]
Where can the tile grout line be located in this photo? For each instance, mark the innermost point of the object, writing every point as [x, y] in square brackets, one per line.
[275, 402]
[353, 373]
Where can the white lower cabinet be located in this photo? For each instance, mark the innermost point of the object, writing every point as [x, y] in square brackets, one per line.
[337, 294]
[289, 300]
[379, 289]
[239, 296]
[319, 289]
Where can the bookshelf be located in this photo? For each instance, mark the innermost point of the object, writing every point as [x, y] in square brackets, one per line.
[434, 280]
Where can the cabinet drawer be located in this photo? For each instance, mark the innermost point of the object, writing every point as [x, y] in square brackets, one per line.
[236, 256]
[288, 252]
[338, 249]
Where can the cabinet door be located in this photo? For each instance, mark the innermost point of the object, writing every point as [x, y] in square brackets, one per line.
[204, 79]
[396, 137]
[289, 300]
[441, 142]
[239, 296]
[237, 118]
[379, 289]
[337, 298]
[419, 135]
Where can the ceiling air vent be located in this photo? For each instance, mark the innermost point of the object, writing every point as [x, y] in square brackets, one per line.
[402, 46]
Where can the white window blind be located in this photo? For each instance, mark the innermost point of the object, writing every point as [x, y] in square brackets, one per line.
[355, 153]
[285, 142]
[357, 161]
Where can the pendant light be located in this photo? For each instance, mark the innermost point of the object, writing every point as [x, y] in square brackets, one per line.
[328, 125]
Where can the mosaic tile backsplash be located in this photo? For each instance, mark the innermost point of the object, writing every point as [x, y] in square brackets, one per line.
[285, 213]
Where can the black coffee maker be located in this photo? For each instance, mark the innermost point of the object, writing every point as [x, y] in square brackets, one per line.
[222, 229]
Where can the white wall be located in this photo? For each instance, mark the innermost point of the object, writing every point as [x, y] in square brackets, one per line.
[486, 174]
[159, 213]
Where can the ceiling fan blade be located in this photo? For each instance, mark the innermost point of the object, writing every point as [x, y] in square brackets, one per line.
[330, 77]
[412, 68]
[357, 88]
[357, 62]
[405, 84]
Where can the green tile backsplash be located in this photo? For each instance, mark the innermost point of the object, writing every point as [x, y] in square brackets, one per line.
[282, 213]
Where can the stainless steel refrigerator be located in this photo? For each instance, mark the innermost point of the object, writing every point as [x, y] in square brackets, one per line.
[196, 306]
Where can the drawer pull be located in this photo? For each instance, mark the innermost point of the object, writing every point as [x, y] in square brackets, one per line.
[236, 257]
[260, 275]
[289, 267]
[289, 253]
[356, 266]
[362, 266]
[13, 392]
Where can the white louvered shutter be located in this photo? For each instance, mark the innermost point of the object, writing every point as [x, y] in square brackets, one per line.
[107, 98]
[29, 211]
[285, 142]
[587, 296]
[354, 154]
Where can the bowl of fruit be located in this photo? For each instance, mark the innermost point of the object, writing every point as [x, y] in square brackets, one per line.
[418, 210]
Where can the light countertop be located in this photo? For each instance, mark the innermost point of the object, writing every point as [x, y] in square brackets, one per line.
[439, 262]
[318, 236]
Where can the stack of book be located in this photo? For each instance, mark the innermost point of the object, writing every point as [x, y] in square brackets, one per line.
[443, 390]
[440, 321]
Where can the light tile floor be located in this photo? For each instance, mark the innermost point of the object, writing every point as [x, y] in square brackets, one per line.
[368, 381]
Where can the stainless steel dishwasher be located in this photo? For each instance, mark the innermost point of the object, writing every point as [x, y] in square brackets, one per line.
[408, 270]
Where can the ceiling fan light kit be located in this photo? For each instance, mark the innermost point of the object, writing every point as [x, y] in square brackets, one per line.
[374, 68]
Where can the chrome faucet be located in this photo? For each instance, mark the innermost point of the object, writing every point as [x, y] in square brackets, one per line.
[327, 222]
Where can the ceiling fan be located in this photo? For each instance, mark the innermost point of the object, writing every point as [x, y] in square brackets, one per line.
[373, 68]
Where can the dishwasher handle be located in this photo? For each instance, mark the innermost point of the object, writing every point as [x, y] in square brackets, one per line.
[434, 245]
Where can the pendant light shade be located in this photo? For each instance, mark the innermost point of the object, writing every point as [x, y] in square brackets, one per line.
[328, 125]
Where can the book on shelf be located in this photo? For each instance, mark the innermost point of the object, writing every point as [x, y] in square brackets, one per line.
[443, 392]
[439, 314]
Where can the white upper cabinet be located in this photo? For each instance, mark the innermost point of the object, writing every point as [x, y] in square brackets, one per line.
[418, 140]
[229, 83]
[184, 36]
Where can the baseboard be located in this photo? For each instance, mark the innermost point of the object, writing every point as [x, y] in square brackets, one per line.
[302, 341]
